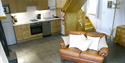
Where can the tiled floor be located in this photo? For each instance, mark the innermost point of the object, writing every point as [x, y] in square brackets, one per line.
[46, 50]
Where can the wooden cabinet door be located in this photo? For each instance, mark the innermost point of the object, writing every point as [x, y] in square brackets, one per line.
[13, 6]
[31, 2]
[42, 4]
[17, 5]
[18, 32]
[55, 27]
[21, 5]
[26, 31]
[22, 32]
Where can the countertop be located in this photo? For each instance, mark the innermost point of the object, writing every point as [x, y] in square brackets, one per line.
[26, 18]
[29, 21]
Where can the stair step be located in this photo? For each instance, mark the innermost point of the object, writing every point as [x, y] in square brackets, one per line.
[86, 24]
[88, 28]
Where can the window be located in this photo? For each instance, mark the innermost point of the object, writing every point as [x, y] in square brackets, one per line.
[92, 7]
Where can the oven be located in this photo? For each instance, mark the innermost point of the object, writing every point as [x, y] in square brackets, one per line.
[36, 28]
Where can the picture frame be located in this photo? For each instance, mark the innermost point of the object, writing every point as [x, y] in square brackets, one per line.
[6, 9]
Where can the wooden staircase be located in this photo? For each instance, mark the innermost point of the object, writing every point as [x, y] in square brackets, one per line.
[85, 22]
[75, 19]
[89, 26]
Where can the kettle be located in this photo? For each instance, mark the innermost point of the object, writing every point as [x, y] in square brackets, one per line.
[38, 16]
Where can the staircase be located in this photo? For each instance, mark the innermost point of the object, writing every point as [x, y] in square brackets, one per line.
[74, 18]
[89, 26]
[84, 20]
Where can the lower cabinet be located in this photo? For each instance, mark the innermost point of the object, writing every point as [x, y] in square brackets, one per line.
[22, 32]
[120, 35]
[55, 27]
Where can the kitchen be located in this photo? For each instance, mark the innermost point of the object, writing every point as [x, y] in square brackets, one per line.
[30, 22]
[27, 20]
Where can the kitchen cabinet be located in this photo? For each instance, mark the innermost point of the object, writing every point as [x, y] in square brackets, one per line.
[13, 6]
[17, 5]
[21, 5]
[42, 4]
[120, 35]
[55, 27]
[22, 32]
[31, 2]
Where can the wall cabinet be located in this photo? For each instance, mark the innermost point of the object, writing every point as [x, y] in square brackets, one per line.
[56, 27]
[22, 32]
[21, 5]
[17, 5]
[42, 4]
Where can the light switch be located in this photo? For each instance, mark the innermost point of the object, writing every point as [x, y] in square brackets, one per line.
[109, 4]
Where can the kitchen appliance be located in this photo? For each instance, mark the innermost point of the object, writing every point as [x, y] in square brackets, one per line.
[3, 40]
[36, 28]
[38, 16]
[9, 30]
[46, 26]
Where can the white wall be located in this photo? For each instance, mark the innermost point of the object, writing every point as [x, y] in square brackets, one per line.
[120, 14]
[105, 21]
[106, 18]
[3, 58]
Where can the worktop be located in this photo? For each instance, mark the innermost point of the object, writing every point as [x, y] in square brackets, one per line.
[23, 22]
[26, 18]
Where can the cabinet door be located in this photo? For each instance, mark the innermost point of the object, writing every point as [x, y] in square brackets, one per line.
[21, 5]
[17, 5]
[13, 6]
[18, 32]
[42, 4]
[26, 31]
[31, 2]
[22, 32]
[55, 27]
